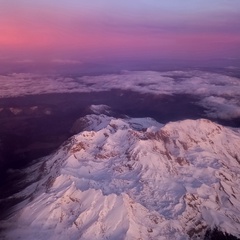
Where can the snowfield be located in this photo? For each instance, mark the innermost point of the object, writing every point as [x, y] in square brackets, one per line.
[133, 179]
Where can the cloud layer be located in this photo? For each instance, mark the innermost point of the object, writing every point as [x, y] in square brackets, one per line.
[219, 94]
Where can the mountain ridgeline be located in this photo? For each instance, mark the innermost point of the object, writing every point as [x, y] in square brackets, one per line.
[133, 178]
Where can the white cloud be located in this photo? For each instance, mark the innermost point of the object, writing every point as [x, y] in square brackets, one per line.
[219, 107]
[219, 94]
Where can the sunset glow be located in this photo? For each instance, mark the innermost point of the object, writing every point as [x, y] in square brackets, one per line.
[78, 30]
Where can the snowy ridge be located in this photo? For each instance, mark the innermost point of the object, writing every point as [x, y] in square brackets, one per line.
[132, 179]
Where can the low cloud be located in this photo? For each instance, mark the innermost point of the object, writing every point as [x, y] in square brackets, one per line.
[218, 107]
[218, 93]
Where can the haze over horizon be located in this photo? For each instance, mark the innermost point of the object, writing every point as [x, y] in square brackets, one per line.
[77, 32]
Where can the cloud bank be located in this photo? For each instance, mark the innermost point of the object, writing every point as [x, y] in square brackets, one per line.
[218, 93]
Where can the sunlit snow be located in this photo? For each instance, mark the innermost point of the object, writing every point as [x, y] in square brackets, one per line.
[132, 179]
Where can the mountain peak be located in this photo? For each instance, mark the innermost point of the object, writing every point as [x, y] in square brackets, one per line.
[134, 178]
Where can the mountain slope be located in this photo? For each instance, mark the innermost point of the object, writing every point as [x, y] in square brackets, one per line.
[133, 179]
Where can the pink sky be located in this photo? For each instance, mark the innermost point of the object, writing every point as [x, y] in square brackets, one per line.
[53, 31]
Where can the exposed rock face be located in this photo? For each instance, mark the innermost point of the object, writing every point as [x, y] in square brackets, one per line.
[134, 179]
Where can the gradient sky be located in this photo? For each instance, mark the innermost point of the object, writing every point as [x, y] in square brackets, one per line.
[80, 30]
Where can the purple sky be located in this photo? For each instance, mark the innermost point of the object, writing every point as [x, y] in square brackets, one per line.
[75, 31]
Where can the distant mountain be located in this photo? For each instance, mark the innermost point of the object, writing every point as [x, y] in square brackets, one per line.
[133, 179]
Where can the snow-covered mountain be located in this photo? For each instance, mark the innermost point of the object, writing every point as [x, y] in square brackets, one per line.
[133, 179]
